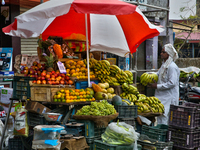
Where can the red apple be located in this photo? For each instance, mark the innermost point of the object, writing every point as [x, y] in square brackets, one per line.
[48, 79]
[53, 72]
[31, 71]
[34, 81]
[53, 78]
[66, 82]
[44, 82]
[57, 82]
[67, 78]
[43, 74]
[62, 82]
[42, 78]
[49, 82]
[38, 78]
[38, 81]
[48, 76]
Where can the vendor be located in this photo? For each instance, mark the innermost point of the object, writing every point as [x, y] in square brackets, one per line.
[167, 87]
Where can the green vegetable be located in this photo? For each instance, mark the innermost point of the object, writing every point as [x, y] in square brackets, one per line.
[102, 108]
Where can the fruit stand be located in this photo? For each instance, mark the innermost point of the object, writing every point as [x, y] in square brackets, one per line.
[64, 98]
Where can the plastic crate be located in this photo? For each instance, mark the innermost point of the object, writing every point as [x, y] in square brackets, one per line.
[21, 87]
[127, 111]
[158, 132]
[83, 84]
[15, 144]
[129, 121]
[36, 119]
[100, 145]
[184, 116]
[158, 145]
[90, 130]
[184, 138]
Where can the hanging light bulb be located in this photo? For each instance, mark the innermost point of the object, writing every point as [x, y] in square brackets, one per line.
[3, 2]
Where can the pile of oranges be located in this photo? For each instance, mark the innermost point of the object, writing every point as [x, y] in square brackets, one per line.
[73, 95]
[77, 69]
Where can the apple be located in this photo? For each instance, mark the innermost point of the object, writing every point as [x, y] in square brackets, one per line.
[31, 71]
[38, 78]
[42, 78]
[56, 75]
[43, 74]
[26, 71]
[38, 81]
[49, 82]
[34, 81]
[53, 78]
[53, 72]
[62, 82]
[26, 68]
[39, 65]
[48, 76]
[62, 75]
[66, 82]
[48, 79]
[44, 82]
[57, 82]
[67, 78]
[62, 78]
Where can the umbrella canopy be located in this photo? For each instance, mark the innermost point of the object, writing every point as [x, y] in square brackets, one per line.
[113, 26]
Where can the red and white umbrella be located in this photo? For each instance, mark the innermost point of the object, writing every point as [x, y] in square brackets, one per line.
[110, 25]
[113, 26]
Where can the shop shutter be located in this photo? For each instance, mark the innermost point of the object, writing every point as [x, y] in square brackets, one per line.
[28, 45]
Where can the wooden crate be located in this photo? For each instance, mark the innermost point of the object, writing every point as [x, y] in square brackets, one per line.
[45, 92]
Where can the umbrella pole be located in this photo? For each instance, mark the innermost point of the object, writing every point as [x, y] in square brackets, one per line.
[88, 67]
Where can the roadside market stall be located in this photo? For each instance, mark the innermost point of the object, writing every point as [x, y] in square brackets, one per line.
[65, 88]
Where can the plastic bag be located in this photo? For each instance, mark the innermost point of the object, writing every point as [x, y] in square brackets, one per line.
[21, 126]
[120, 133]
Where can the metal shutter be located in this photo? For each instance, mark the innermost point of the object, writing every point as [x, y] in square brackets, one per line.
[28, 45]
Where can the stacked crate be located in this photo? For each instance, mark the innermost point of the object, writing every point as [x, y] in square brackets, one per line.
[184, 123]
[127, 114]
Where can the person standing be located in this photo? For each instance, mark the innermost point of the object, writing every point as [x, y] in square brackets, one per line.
[167, 87]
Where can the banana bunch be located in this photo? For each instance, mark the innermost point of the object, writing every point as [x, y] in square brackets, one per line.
[130, 89]
[92, 62]
[114, 69]
[102, 69]
[129, 103]
[152, 102]
[122, 77]
[113, 81]
[141, 97]
[130, 76]
[146, 78]
[143, 107]
[131, 97]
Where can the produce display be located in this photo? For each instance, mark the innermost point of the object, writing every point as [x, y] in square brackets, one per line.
[102, 108]
[146, 78]
[131, 96]
[186, 75]
[103, 91]
[77, 69]
[74, 95]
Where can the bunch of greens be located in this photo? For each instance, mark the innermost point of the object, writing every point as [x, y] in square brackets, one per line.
[102, 108]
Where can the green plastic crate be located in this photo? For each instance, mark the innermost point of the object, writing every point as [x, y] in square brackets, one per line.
[100, 145]
[126, 111]
[21, 87]
[158, 145]
[90, 130]
[158, 132]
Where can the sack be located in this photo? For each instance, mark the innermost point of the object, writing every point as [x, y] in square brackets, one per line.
[101, 121]
[21, 126]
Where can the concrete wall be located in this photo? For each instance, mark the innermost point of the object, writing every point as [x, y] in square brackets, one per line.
[187, 62]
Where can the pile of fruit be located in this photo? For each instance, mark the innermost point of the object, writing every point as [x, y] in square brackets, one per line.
[77, 69]
[34, 71]
[53, 78]
[186, 75]
[102, 108]
[130, 96]
[74, 95]
[103, 91]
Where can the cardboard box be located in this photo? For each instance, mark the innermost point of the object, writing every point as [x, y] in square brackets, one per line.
[36, 107]
[6, 94]
[6, 73]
